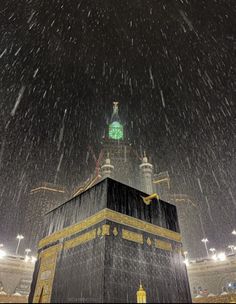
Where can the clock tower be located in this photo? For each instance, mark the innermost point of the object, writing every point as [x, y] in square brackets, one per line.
[121, 155]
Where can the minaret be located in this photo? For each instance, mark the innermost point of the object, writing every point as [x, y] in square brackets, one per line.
[146, 175]
[107, 168]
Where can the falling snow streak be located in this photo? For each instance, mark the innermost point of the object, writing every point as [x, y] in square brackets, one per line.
[162, 99]
[18, 51]
[202, 225]
[3, 53]
[35, 73]
[59, 164]
[2, 151]
[18, 100]
[151, 77]
[188, 22]
[213, 173]
[61, 131]
[231, 195]
[199, 184]
[58, 167]
[208, 208]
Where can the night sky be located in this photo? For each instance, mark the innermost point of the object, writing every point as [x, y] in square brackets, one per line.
[170, 64]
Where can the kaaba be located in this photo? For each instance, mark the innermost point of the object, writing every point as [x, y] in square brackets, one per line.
[111, 244]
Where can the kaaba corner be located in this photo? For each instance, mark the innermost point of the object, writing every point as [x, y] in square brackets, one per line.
[111, 244]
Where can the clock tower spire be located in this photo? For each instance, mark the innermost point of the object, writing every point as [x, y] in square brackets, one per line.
[115, 115]
[116, 129]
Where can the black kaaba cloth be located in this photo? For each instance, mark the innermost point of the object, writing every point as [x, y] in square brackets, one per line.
[99, 246]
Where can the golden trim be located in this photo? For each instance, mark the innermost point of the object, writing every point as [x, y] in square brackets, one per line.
[105, 230]
[132, 236]
[163, 245]
[43, 288]
[84, 238]
[141, 225]
[99, 231]
[149, 241]
[114, 217]
[115, 231]
[68, 231]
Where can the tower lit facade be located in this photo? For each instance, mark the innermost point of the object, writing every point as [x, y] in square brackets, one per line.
[120, 150]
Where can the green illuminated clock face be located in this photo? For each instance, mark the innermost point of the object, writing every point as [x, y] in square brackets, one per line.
[116, 130]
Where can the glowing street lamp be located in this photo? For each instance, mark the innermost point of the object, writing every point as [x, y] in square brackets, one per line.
[27, 251]
[222, 256]
[205, 241]
[234, 232]
[231, 247]
[212, 250]
[19, 238]
[27, 258]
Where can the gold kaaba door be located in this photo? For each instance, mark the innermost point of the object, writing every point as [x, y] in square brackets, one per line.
[47, 260]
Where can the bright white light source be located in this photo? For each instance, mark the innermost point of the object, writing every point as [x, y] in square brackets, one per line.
[27, 258]
[20, 237]
[222, 256]
[33, 259]
[214, 257]
[2, 254]
[186, 262]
